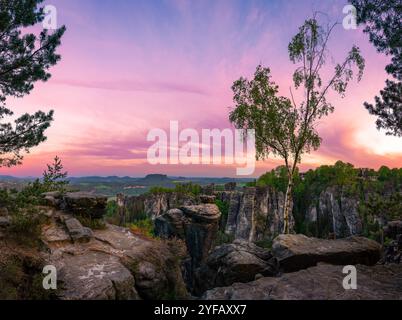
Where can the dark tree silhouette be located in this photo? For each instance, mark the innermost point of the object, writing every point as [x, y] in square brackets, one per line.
[24, 59]
[383, 20]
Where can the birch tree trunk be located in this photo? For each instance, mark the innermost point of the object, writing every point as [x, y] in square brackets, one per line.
[286, 208]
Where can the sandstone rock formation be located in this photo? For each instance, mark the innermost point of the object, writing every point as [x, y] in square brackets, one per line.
[336, 213]
[154, 205]
[111, 264]
[239, 261]
[295, 252]
[86, 204]
[255, 213]
[196, 224]
[322, 282]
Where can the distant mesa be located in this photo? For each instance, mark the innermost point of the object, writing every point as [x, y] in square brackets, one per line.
[156, 179]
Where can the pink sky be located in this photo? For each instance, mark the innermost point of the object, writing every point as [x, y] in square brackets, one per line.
[128, 67]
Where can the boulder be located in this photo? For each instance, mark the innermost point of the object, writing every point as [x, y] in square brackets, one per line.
[52, 198]
[5, 221]
[322, 282]
[95, 276]
[207, 198]
[295, 252]
[239, 261]
[86, 204]
[77, 232]
[54, 233]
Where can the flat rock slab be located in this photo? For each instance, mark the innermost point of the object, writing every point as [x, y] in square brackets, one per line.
[296, 252]
[239, 261]
[322, 282]
[95, 276]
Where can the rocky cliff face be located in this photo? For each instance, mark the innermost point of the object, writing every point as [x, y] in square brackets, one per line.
[255, 213]
[154, 205]
[335, 213]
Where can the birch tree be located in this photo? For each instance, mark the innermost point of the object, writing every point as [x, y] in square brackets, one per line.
[283, 126]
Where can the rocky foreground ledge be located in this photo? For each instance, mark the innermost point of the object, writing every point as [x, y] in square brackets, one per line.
[296, 252]
[112, 263]
[322, 282]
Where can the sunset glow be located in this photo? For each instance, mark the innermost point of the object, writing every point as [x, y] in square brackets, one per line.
[130, 66]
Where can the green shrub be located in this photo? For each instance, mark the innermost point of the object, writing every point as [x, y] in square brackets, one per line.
[89, 222]
[223, 238]
[266, 243]
[144, 227]
[26, 225]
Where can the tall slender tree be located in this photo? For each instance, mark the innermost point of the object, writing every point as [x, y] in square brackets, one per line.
[282, 126]
[24, 59]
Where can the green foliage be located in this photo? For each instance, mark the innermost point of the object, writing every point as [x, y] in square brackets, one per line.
[144, 227]
[282, 126]
[54, 178]
[24, 59]
[31, 194]
[26, 225]
[379, 194]
[94, 224]
[266, 244]
[277, 178]
[111, 208]
[223, 238]
[223, 207]
[21, 279]
[382, 22]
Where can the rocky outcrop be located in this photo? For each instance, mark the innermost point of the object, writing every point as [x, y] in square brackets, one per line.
[255, 214]
[335, 213]
[95, 276]
[85, 204]
[296, 252]
[322, 282]
[239, 261]
[111, 263]
[77, 232]
[196, 224]
[154, 205]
